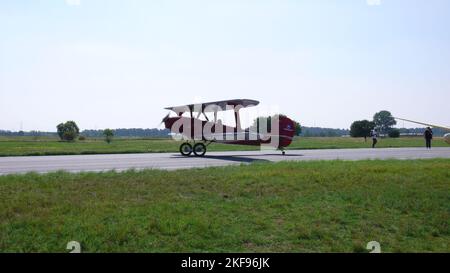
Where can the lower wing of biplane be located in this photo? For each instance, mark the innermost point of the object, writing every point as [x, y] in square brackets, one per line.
[198, 133]
[446, 136]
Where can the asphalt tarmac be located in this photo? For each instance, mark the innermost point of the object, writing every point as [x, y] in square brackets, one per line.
[173, 161]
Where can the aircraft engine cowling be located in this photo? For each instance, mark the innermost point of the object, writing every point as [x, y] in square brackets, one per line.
[287, 131]
[447, 138]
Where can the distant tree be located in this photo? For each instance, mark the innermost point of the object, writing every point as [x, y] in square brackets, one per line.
[109, 134]
[298, 128]
[68, 131]
[361, 128]
[394, 133]
[60, 130]
[265, 123]
[384, 121]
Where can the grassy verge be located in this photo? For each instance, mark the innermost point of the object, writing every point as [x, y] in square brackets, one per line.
[50, 146]
[331, 206]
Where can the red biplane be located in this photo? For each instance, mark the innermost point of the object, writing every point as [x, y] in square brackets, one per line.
[199, 133]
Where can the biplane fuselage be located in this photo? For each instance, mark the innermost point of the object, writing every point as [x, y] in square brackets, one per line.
[194, 129]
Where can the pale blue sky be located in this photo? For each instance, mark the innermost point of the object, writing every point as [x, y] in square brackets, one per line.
[117, 63]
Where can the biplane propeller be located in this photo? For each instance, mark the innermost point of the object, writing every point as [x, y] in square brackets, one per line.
[165, 118]
[199, 133]
[446, 136]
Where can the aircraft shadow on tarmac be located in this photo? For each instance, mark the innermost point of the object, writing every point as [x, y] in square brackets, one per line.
[243, 158]
[236, 158]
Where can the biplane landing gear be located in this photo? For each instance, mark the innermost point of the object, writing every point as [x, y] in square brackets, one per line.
[199, 149]
[186, 149]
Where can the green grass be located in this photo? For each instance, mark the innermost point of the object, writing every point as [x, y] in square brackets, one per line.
[25, 146]
[334, 206]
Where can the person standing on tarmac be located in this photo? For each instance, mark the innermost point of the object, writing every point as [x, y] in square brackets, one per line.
[428, 137]
[374, 135]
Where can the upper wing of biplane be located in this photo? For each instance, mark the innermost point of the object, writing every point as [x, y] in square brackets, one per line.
[214, 106]
[426, 124]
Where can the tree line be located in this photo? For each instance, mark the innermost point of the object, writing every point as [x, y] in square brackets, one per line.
[131, 132]
[323, 132]
[69, 131]
[383, 121]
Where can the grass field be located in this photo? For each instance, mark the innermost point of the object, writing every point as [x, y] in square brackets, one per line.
[333, 206]
[19, 146]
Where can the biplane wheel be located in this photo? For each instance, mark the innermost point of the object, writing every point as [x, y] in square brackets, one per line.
[283, 153]
[199, 149]
[186, 149]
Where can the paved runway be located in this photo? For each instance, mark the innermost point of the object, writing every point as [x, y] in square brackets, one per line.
[171, 161]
